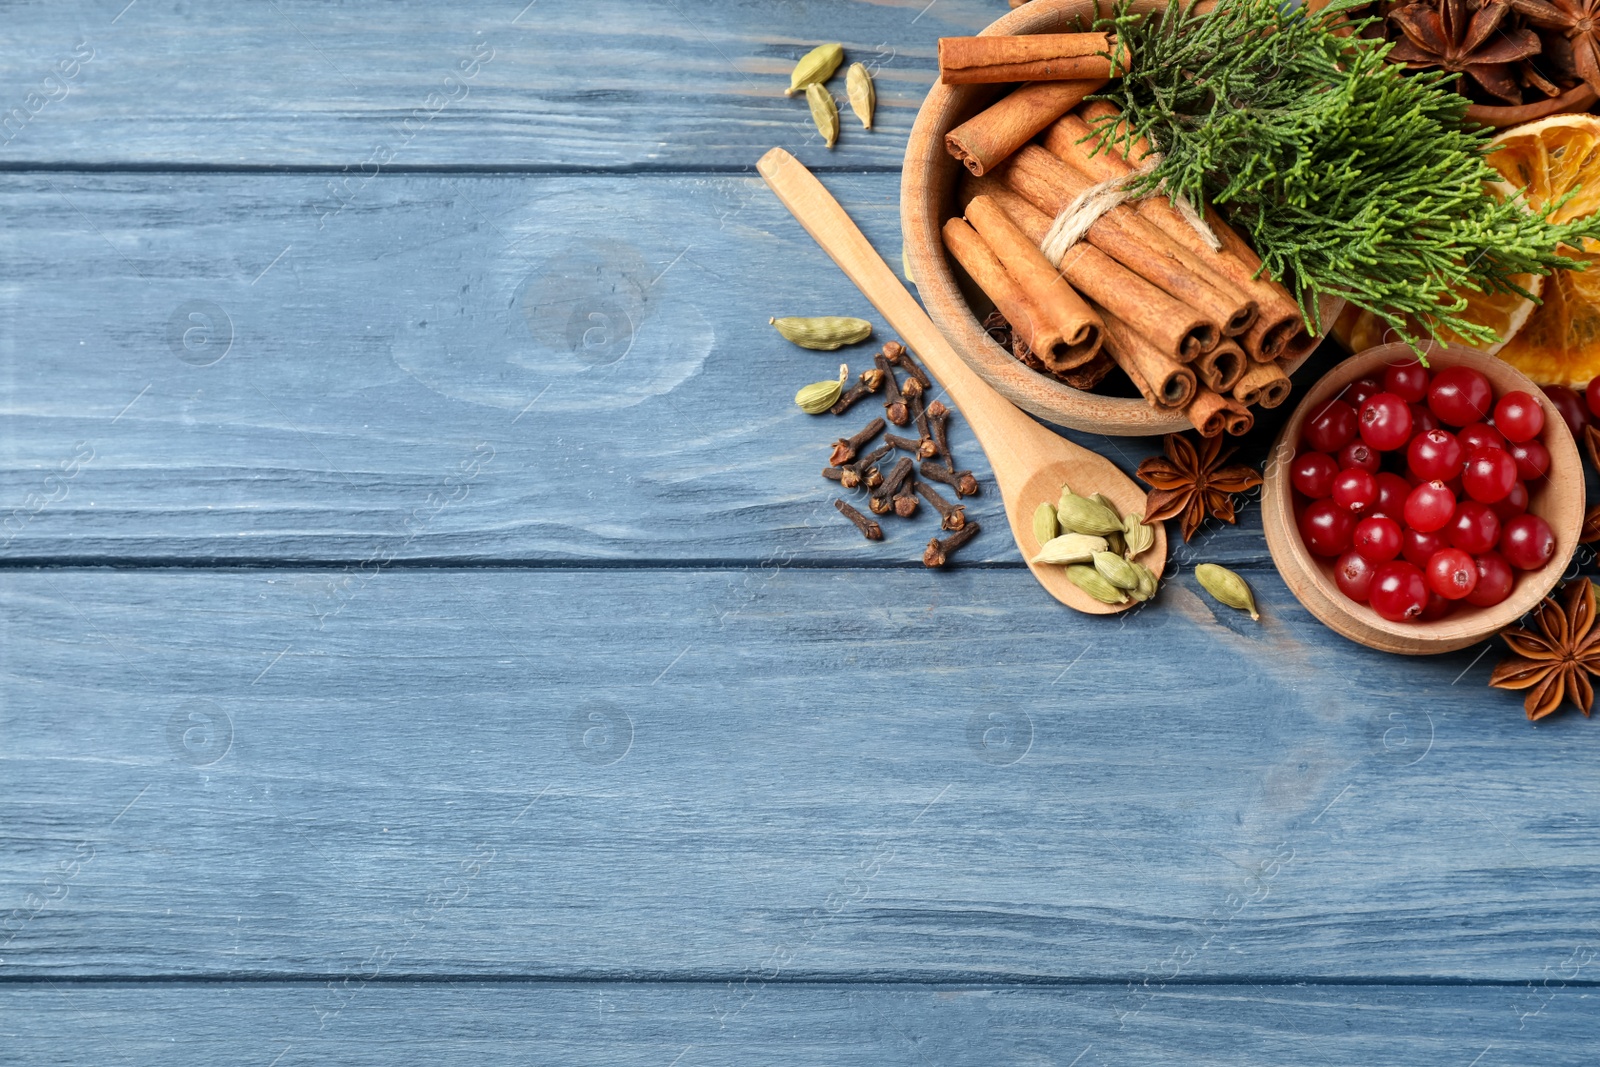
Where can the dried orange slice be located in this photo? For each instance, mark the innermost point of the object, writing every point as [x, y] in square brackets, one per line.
[1559, 344]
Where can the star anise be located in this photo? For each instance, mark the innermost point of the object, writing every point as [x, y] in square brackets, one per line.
[1189, 482]
[1455, 38]
[1557, 661]
[1579, 22]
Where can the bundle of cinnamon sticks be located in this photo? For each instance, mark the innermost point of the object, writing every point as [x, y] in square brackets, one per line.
[1135, 284]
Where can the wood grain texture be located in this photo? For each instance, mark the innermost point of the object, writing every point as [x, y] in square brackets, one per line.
[694, 84]
[604, 339]
[109, 1025]
[679, 773]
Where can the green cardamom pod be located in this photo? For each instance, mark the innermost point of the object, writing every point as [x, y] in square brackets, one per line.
[1045, 528]
[1094, 583]
[818, 397]
[1139, 537]
[863, 96]
[1227, 587]
[815, 66]
[1147, 583]
[1070, 548]
[824, 112]
[1101, 498]
[905, 265]
[1116, 544]
[824, 333]
[1118, 571]
[1081, 514]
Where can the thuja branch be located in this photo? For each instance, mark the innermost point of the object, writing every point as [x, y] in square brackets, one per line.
[1351, 178]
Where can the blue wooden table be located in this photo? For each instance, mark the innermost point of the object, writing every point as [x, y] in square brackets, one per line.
[426, 637]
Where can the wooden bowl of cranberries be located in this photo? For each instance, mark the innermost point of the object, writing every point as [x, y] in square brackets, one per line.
[1422, 509]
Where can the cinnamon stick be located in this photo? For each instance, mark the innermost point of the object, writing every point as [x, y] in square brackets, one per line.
[1161, 380]
[1085, 376]
[1053, 301]
[986, 271]
[1212, 413]
[1068, 139]
[1174, 325]
[1221, 368]
[1263, 383]
[994, 133]
[1278, 320]
[1029, 58]
[1054, 185]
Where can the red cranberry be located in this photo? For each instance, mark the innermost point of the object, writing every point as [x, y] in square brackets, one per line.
[1377, 539]
[1359, 455]
[1591, 396]
[1574, 412]
[1460, 395]
[1326, 528]
[1418, 548]
[1429, 507]
[1354, 489]
[1489, 475]
[1331, 426]
[1515, 503]
[1434, 456]
[1312, 474]
[1480, 435]
[1408, 381]
[1527, 542]
[1385, 422]
[1452, 574]
[1494, 580]
[1519, 416]
[1392, 493]
[1399, 592]
[1360, 391]
[1533, 459]
[1353, 575]
[1423, 419]
[1475, 528]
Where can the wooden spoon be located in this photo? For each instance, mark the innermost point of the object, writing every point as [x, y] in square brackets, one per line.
[1030, 462]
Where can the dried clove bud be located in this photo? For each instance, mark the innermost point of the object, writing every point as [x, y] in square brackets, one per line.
[905, 501]
[937, 410]
[869, 474]
[848, 477]
[844, 449]
[940, 426]
[922, 449]
[870, 381]
[894, 404]
[896, 353]
[911, 389]
[938, 552]
[869, 529]
[952, 516]
[882, 501]
[961, 481]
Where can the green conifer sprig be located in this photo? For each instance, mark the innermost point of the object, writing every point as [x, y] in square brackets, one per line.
[1349, 177]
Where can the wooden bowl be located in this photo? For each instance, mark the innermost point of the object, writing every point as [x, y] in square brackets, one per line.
[927, 198]
[1558, 500]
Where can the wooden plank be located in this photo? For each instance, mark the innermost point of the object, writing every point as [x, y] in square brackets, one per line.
[193, 369]
[694, 1025]
[685, 773]
[485, 83]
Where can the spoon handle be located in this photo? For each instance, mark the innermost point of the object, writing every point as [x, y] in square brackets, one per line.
[1002, 429]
